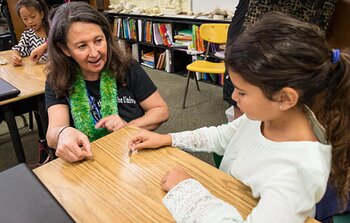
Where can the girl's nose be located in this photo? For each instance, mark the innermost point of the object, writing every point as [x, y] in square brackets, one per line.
[234, 95]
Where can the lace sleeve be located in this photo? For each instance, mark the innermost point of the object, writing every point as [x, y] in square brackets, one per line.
[196, 140]
[206, 139]
[189, 201]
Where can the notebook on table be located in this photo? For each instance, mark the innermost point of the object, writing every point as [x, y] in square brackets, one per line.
[7, 90]
[23, 198]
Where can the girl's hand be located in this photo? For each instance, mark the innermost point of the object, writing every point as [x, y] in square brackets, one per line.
[173, 177]
[38, 52]
[146, 139]
[73, 145]
[111, 123]
[16, 58]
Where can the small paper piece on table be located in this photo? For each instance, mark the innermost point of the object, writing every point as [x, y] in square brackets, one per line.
[3, 61]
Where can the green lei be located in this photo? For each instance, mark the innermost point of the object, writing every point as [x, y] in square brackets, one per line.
[80, 106]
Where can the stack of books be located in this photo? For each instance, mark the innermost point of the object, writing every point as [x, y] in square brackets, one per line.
[147, 59]
[183, 39]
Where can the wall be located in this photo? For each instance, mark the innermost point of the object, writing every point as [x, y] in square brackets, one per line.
[209, 5]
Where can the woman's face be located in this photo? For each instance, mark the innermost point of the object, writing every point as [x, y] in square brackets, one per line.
[87, 45]
[31, 17]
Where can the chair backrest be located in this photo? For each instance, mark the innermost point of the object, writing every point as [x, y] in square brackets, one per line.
[214, 32]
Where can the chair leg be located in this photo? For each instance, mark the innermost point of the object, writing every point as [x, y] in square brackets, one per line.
[25, 123]
[195, 78]
[31, 120]
[188, 80]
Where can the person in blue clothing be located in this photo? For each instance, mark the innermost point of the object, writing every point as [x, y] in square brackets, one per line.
[93, 87]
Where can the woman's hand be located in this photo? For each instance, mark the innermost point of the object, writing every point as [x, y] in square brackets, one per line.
[111, 123]
[173, 177]
[38, 52]
[72, 145]
[16, 58]
[146, 139]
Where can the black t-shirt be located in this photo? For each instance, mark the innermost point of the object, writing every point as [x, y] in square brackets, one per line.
[138, 88]
[237, 21]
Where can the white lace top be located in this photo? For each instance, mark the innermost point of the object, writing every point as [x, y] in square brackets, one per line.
[288, 177]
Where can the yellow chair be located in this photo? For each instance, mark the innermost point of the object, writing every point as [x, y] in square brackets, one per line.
[211, 33]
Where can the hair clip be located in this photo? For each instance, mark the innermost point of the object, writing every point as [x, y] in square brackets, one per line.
[335, 56]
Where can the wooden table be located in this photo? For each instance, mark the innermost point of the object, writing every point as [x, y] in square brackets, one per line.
[113, 189]
[30, 80]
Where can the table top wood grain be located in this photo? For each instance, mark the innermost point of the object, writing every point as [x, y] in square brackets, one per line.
[29, 78]
[112, 187]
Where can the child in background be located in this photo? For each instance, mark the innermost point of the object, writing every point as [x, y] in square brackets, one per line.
[34, 16]
[280, 67]
[38, 52]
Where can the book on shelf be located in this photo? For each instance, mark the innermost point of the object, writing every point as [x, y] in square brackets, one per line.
[132, 29]
[164, 34]
[140, 30]
[179, 44]
[125, 28]
[148, 56]
[158, 40]
[197, 43]
[147, 31]
[160, 63]
[185, 32]
[148, 64]
[168, 62]
[115, 28]
[147, 59]
[169, 33]
[183, 38]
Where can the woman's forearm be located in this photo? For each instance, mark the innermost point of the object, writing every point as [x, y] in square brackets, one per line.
[152, 119]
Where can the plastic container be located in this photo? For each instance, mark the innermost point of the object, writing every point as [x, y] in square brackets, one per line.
[230, 114]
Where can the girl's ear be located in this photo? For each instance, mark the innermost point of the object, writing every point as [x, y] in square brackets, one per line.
[287, 98]
[64, 49]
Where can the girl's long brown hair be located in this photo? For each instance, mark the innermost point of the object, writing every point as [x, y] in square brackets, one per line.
[279, 51]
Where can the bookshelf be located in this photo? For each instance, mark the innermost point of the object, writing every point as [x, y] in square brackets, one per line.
[169, 51]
